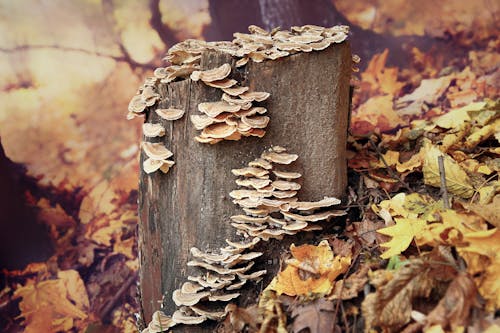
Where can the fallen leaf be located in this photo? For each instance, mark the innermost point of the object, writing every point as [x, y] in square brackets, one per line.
[53, 305]
[454, 308]
[457, 180]
[376, 114]
[390, 306]
[317, 316]
[490, 212]
[405, 230]
[312, 270]
[350, 287]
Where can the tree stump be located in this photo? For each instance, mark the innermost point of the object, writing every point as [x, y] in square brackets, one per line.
[190, 206]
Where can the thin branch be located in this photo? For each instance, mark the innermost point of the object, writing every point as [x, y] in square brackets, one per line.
[122, 58]
[444, 190]
[166, 34]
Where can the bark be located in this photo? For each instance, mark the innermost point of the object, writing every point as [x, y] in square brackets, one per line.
[190, 205]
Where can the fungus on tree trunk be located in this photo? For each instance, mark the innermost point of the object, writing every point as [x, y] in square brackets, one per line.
[300, 80]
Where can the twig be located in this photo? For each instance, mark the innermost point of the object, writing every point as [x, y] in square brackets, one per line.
[442, 175]
[391, 172]
[112, 302]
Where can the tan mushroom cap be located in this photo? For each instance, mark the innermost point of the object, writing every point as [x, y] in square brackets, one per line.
[218, 131]
[181, 298]
[152, 130]
[237, 285]
[191, 288]
[181, 318]
[296, 225]
[243, 245]
[252, 111]
[208, 257]
[287, 175]
[259, 212]
[207, 140]
[284, 194]
[321, 45]
[167, 164]
[256, 183]
[170, 114]
[160, 72]
[209, 283]
[223, 297]
[222, 84]
[257, 96]
[242, 194]
[250, 171]
[248, 219]
[243, 103]
[235, 91]
[271, 233]
[213, 315]
[254, 29]
[218, 269]
[160, 322]
[242, 62]
[284, 185]
[213, 109]
[156, 151]
[137, 104]
[258, 132]
[278, 149]
[210, 75]
[248, 227]
[256, 121]
[313, 217]
[304, 205]
[280, 158]
[251, 276]
[150, 165]
[200, 121]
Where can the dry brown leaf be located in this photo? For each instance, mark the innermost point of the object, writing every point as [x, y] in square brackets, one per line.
[349, 288]
[490, 212]
[389, 307]
[454, 308]
[317, 316]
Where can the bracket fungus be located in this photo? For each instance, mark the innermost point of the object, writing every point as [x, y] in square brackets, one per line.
[267, 195]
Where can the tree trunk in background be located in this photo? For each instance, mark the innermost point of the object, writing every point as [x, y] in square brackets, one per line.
[22, 239]
[229, 16]
[190, 206]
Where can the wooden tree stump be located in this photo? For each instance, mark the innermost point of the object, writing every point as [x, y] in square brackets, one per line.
[190, 206]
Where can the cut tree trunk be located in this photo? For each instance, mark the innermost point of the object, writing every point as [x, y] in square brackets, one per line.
[190, 205]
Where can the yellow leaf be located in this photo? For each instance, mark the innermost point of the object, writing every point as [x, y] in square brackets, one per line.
[457, 117]
[457, 180]
[312, 271]
[402, 234]
[53, 305]
[485, 243]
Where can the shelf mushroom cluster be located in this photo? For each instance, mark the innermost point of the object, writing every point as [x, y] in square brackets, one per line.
[235, 115]
[268, 197]
[260, 44]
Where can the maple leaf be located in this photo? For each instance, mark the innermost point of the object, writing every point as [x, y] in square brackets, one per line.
[317, 316]
[53, 305]
[402, 234]
[376, 113]
[381, 77]
[457, 180]
[312, 271]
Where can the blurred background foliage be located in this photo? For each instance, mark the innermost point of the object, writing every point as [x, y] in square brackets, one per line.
[68, 163]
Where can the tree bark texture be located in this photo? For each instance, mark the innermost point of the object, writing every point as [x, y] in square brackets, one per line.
[190, 206]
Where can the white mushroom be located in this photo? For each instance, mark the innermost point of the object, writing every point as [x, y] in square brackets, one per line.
[170, 114]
